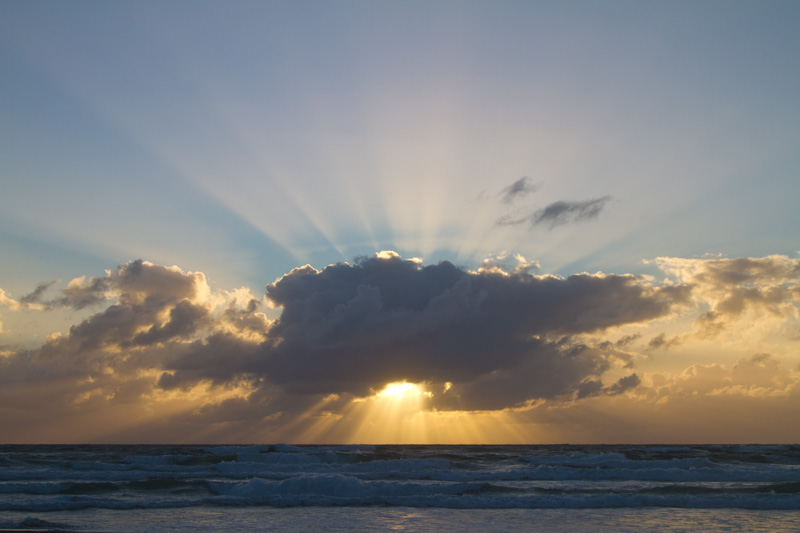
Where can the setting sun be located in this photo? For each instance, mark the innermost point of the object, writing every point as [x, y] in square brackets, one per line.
[402, 389]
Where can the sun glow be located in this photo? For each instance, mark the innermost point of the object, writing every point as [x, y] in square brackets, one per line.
[400, 390]
[401, 413]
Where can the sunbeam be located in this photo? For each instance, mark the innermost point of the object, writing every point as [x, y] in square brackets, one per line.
[547, 205]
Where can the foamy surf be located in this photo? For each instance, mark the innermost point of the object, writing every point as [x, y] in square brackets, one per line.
[43, 483]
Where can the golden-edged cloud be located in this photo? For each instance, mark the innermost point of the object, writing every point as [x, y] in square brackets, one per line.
[497, 340]
[762, 290]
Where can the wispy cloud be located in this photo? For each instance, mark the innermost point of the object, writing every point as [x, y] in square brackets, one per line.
[522, 187]
[559, 213]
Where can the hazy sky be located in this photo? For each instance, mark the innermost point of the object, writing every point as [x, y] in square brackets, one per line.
[554, 221]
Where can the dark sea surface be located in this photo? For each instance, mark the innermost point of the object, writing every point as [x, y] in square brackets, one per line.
[404, 488]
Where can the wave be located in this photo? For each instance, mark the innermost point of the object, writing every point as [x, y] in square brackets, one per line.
[326, 491]
[36, 479]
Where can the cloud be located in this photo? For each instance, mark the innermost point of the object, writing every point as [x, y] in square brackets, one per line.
[757, 289]
[352, 327]
[131, 283]
[521, 187]
[488, 340]
[7, 301]
[559, 213]
[154, 305]
[35, 297]
[760, 375]
[501, 338]
[80, 293]
[499, 264]
[755, 399]
[594, 387]
[661, 341]
[32, 300]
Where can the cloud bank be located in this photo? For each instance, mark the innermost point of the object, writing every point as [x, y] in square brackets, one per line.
[500, 338]
[494, 339]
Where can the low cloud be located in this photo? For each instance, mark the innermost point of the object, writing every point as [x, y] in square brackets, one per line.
[661, 341]
[595, 387]
[760, 375]
[757, 290]
[500, 338]
[754, 400]
[487, 340]
[154, 308]
[505, 262]
[350, 328]
[7, 301]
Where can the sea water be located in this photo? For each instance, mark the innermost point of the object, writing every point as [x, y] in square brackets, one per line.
[401, 488]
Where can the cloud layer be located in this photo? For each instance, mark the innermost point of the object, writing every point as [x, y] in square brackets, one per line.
[492, 339]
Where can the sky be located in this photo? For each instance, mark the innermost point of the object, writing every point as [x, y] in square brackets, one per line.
[400, 222]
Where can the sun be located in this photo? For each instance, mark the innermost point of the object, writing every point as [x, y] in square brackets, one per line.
[401, 390]
[402, 413]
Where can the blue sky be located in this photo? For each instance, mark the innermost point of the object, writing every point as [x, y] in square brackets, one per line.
[244, 139]
[283, 133]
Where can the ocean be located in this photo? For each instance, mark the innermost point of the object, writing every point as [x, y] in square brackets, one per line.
[399, 488]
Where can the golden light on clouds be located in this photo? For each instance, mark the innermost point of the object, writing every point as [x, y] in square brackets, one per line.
[393, 414]
[389, 350]
[401, 413]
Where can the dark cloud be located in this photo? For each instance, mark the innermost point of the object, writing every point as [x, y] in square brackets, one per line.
[618, 349]
[155, 305]
[521, 187]
[594, 387]
[545, 369]
[184, 319]
[497, 337]
[219, 358]
[129, 282]
[143, 282]
[489, 339]
[36, 296]
[661, 341]
[80, 294]
[500, 338]
[623, 384]
[627, 339]
[559, 213]
[619, 343]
